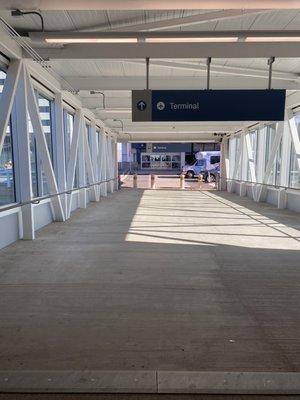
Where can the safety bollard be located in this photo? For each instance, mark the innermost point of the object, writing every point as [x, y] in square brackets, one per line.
[200, 180]
[152, 181]
[135, 181]
[182, 182]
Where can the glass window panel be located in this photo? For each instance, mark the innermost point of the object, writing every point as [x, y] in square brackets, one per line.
[68, 135]
[33, 160]
[237, 152]
[275, 173]
[38, 178]
[7, 181]
[46, 120]
[253, 142]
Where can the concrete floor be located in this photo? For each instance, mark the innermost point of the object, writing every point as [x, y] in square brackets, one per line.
[156, 280]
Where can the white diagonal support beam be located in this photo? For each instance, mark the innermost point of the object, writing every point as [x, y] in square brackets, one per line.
[89, 166]
[7, 97]
[42, 148]
[22, 162]
[71, 167]
[59, 145]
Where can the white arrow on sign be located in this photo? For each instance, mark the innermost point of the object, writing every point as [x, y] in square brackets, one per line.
[141, 105]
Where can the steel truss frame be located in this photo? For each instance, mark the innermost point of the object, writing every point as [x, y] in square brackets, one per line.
[96, 159]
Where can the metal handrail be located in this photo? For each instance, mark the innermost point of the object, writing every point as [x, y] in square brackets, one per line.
[263, 184]
[37, 200]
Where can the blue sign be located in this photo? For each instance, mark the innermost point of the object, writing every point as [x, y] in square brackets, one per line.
[171, 147]
[209, 105]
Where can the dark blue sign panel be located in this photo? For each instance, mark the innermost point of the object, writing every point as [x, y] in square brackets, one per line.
[218, 105]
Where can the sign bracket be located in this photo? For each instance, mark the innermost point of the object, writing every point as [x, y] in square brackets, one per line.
[270, 64]
[208, 62]
[147, 72]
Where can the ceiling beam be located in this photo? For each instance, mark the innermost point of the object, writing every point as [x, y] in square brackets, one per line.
[172, 23]
[170, 50]
[147, 4]
[224, 70]
[174, 82]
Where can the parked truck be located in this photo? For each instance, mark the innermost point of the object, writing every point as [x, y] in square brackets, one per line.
[207, 164]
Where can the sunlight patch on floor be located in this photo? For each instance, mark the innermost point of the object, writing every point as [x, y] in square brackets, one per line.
[196, 218]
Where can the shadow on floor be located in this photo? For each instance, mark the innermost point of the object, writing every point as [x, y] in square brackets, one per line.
[154, 280]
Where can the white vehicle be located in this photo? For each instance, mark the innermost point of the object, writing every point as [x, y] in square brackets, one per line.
[207, 163]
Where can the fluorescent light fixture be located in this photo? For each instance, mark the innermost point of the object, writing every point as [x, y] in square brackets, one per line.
[207, 39]
[90, 40]
[191, 39]
[273, 39]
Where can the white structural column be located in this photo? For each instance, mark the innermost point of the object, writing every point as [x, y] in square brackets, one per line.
[110, 165]
[42, 147]
[115, 161]
[22, 158]
[89, 166]
[224, 163]
[94, 157]
[102, 163]
[262, 189]
[60, 159]
[71, 168]
[7, 97]
[237, 164]
[261, 153]
[284, 165]
[81, 166]
[251, 164]
[250, 153]
[244, 165]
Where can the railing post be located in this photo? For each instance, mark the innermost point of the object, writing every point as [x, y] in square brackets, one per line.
[135, 181]
[182, 181]
[200, 180]
[152, 181]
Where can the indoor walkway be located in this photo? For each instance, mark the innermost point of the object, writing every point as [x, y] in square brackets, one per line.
[156, 280]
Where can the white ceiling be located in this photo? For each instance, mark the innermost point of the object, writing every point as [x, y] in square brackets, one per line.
[106, 75]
